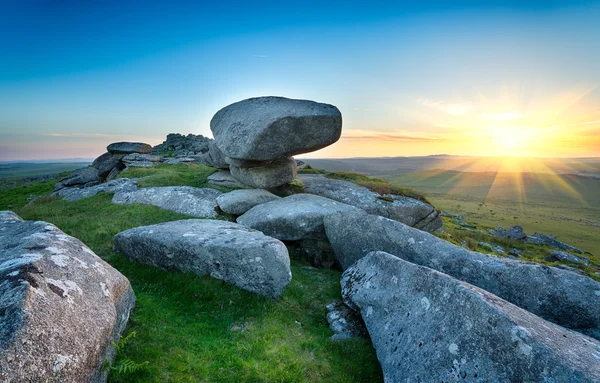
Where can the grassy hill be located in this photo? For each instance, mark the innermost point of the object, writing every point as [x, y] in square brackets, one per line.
[197, 329]
[188, 328]
[565, 205]
[31, 169]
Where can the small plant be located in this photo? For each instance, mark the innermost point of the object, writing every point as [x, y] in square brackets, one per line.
[125, 366]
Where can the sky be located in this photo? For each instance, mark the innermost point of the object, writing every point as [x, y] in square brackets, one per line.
[481, 78]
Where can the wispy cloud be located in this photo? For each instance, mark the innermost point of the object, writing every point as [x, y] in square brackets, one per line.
[261, 56]
[397, 136]
[498, 117]
[453, 108]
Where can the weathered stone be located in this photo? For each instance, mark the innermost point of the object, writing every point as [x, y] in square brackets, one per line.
[245, 164]
[81, 177]
[243, 257]
[345, 322]
[197, 202]
[515, 232]
[270, 128]
[223, 178]
[141, 160]
[60, 306]
[115, 172]
[214, 157]
[563, 256]
[560, 296]
[7, 215]
[299, 216]
[129, 147]
[180, 160]
[192, 144]
[120, 185]
[268, 176]
[104, 164]
[238, 202]
[514, 252]
[403, 209]
[542, 239]
[429, 327]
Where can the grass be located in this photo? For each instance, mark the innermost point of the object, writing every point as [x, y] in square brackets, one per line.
[566, 206]
[29, 169]
[19, 196]
[191, 328]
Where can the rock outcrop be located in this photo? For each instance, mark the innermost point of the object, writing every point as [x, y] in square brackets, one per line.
[344, 322]
[258, 136]
[560, 296]
[183, 146]
[542, 239]
[299, 216]
[60, 305]
[563, 256]
[238, 202]
[224, 179]
[403, 209]
[233, 253]
[515, 232]
[196, 202]
[429, 327]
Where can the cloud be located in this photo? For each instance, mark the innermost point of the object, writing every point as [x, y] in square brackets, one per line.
[454, 108]
[363, 135]
[260, 56]
[498, 117]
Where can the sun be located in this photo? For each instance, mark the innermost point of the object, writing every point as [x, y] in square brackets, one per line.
[510, 140]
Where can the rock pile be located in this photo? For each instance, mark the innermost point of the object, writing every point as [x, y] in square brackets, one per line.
[259, 136]
[61, 306]
[183, 146]
[429, 327]
[119, 155]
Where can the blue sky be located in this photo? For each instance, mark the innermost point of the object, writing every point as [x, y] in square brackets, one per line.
[419, 78]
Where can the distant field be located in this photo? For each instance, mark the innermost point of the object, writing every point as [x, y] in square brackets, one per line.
[27, 169]
[567, 206]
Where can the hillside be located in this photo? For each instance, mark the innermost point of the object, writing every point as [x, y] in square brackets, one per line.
[190, 328]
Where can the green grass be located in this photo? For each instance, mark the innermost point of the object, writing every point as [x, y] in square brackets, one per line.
[19, 196]
[170, 175]
[197, 329]
[566, 206]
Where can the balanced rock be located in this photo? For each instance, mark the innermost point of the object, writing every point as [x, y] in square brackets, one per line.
[403, 209]
[121, 185]
[429, 327]
[270, 128]
[267, 176]
[197, 202]
[61, 306]
[129, 147]
[299, 216]
[560, 296]
[225, 250]
[238, 202]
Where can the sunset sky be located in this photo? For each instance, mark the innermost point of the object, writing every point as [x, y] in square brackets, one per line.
[484, 78]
